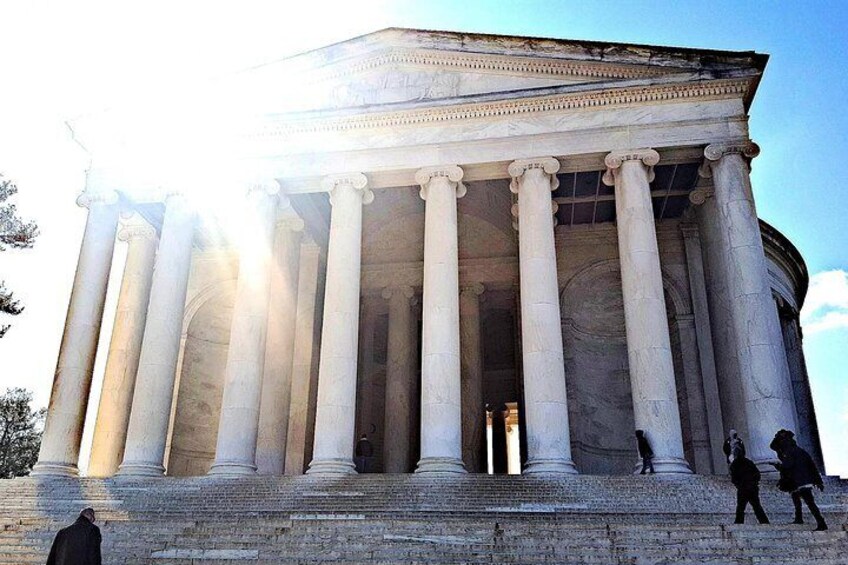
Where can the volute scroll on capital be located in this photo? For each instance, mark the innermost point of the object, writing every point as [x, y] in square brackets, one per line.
[615, 159]
[548, 165]
[88, 198]
[452, 173]
[715, 151]
[698, 196]
[357, 181]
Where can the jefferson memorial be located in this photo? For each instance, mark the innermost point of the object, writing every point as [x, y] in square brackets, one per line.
[486, 254]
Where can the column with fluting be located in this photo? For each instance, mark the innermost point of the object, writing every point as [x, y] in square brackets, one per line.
[154, 384]
[113, 414]
[763, 368]
[441, 404]
[336, 408]
[400, 379]
[60, 442]
[545, 399]
[655, 408]
[279, 349]
[471, 364]
[235, 453]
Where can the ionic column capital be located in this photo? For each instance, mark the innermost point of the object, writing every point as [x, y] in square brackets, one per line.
[615, 159]
[548, 166]
[136, 227]
[400, 290]
[452, 173]
[356, 181]
[291, 224]
[88, 197]
[475, 289]
[715, 151]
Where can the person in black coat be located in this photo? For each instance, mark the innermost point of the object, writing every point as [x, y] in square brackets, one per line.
[645, 452]
[746, 478]
[78, 544]
[798, 475]
[733, 446]
[364, 452]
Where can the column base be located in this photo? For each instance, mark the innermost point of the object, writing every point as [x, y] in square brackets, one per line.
[666, 466]
[549, 467]
[54, 469]
[331, 468]
[449, 465]
[133, 469]
[232, 469]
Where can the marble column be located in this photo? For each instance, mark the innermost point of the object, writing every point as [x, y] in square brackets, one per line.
[60, 442]
[305, 361]
[655, 408]
[763, 369]
[335, 415]
[147, 432]
[235, 453]
[113, 414]
[471, 364]
[704, 337]
[545, 400]
[441, 404]
[279, 349]
[400, 380]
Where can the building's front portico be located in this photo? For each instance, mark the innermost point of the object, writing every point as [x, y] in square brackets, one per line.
[493, 233]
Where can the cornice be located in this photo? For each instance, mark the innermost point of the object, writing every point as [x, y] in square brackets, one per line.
[717, 89]
[489, 63]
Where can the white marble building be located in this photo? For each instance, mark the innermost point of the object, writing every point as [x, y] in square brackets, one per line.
[417, 226]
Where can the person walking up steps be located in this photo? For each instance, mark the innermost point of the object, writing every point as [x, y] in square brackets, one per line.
[746, 477]
[798, 475]
[78, 544]
[645, 452]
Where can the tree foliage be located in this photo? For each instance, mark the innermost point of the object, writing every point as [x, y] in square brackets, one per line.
[20, 433]
[15, 233]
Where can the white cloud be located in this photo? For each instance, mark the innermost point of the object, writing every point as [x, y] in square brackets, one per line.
[826, 307]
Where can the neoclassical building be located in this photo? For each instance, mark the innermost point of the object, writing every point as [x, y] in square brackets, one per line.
[469, 248]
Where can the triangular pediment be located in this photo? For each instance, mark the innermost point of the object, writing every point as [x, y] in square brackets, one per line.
[407, 66]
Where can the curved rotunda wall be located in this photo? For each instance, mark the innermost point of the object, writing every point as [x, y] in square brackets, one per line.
[201, 388]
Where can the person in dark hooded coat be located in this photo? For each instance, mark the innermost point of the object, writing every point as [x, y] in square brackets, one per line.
[746, 478]
[645, 452]
[798, 475]
[78, 544]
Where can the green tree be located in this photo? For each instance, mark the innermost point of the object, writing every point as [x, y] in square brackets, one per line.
[20, 433]
[15, 233]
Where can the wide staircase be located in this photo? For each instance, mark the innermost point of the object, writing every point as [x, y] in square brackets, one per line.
[414, 519]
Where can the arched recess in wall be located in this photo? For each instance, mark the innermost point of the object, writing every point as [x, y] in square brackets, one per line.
[201, 381]
[598, 381]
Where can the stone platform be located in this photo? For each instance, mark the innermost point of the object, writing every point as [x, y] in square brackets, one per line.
[412, 519]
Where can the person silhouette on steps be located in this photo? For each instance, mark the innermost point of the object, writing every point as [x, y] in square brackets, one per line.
[645, 452]
[364, 453]
[733, 443]
[798, 476]
[746, 477]
[78, 544]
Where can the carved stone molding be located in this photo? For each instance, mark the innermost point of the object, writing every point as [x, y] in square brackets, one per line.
[615, 159]
[548, 165]
[135, 227]
[357, 181]
[87, 198]
[452, 173]
[719, 89]
[715, 151]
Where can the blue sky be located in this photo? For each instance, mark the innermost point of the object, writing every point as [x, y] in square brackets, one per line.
[59, 61]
